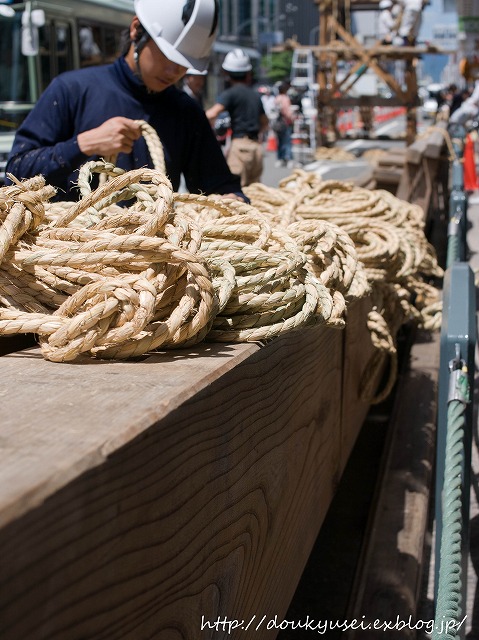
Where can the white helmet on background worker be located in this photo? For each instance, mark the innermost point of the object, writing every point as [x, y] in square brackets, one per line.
[183, 30]
[385, 4]
[237, 61]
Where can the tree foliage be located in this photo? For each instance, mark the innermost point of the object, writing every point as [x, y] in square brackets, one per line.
[277, 65]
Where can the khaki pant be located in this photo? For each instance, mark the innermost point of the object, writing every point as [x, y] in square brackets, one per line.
[245, 159]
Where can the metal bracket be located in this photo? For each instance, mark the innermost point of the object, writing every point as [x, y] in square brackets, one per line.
[458, 379]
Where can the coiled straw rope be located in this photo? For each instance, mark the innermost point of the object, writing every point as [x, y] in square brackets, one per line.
[394, 255]
[167, 269]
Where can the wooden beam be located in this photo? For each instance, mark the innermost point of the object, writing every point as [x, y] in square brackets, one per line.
[369, 60]
[388, 51]
[138, 497]
[423, 163]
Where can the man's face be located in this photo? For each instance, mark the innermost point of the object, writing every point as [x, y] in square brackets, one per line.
[196, 83]
[157, 72]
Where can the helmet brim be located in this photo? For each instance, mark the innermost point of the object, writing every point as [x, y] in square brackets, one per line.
[168, 50]
[245, 70]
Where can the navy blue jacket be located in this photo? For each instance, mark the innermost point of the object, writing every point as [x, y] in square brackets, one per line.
[77, 101]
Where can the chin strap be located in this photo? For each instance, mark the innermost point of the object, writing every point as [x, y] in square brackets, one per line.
[138, 48]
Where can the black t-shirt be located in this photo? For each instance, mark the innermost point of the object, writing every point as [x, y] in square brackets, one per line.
[245, 107]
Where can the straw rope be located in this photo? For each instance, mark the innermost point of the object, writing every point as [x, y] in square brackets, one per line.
[396, 262]
[100, 278]
[333, 153]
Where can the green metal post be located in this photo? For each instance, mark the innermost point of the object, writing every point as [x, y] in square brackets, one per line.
[458, 331]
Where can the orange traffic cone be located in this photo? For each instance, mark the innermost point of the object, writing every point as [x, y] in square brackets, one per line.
[271, 142]
[470, 175]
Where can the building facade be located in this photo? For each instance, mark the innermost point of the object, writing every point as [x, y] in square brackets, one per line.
[263, 23]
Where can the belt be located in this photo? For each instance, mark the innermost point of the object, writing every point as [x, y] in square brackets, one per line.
[250, 136]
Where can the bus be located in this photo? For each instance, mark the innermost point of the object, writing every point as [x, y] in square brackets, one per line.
[40, 39]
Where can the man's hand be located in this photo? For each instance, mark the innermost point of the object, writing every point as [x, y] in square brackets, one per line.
[114, 136]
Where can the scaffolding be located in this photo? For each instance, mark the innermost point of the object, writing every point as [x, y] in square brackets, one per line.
[303, 139]
[305, 124]
[338, 46]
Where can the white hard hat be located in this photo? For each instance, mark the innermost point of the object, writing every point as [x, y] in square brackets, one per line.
[184, 30]
[195, 72]
[237, 61]
[385, 4]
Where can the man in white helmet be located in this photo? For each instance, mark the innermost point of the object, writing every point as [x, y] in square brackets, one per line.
[248, 118]
[386, 22]
[411, 21]
[194, 84]
[91, 113]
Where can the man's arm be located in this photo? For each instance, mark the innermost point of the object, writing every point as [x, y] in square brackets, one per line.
[46, 143]
[213, 112]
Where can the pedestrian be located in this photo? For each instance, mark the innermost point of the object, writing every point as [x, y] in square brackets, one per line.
[458, 97]
[268, 100]
[386, 22]
[194, 84]
[93, 112]
[411, 21]
[90, 52]
[248, 118]
[397, 11]
[283, 126]
[469, 109]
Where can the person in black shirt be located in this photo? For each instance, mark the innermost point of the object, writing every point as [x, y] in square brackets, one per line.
[248, 118]
[458, 97]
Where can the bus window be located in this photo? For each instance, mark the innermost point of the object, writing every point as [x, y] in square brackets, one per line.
[113, 43]
[55, 51]
[14, 70]
[45, 54]
[99, 44]
[90, 51]
[63, 39]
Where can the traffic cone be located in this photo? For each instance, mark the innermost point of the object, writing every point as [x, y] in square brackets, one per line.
[470, 175]
[271, 142]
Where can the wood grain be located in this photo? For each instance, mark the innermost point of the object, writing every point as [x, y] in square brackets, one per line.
[59, 420]
[139, 497]
[358, 349]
